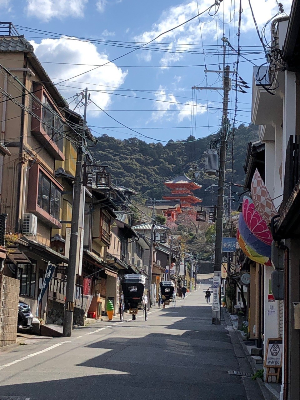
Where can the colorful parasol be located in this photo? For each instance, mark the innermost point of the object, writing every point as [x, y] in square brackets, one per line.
[261, 198]
[257, 245]
[255, 223]
[250, 253]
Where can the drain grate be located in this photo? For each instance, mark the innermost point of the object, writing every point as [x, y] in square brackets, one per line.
[231, 372]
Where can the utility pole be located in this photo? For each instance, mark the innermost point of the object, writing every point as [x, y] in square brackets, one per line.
[152, 240]
[216, 305]
[74, 240]
[170, 259]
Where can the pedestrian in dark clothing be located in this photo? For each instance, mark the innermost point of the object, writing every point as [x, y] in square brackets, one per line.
[183, 291]
[207, 296]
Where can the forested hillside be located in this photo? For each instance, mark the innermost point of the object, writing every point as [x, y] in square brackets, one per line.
[144, 167]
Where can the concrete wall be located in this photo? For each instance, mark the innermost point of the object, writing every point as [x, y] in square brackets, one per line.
[9, 298]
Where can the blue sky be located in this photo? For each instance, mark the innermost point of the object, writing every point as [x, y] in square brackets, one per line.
[150, 89]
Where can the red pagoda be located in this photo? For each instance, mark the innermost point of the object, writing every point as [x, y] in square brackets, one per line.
[182, 191]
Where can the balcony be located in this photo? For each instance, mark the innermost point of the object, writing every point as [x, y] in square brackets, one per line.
[44, 204]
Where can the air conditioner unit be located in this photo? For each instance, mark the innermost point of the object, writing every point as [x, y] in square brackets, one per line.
[29, 224]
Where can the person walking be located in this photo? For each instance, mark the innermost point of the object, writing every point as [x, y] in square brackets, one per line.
[183, 291]
[207, 296]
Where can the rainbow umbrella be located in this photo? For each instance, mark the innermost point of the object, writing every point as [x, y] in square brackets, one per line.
[261, 198]
[251, 240]
[256, 224]
[250, 253]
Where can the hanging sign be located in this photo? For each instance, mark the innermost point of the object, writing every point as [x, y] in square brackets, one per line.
[228, 245]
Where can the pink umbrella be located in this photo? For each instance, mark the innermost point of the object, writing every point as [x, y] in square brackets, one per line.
[261, 198]
[255, 223]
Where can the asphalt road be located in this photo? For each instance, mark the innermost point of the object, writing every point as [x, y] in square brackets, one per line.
[176, 354]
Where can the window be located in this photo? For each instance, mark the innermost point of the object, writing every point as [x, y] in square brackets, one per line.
[27, 277]
[49, 196]
[105, 227]
[52, 123]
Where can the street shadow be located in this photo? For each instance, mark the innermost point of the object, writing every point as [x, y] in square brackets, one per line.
[190, 359]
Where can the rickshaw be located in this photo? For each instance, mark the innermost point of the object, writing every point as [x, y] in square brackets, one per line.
[132, 297]
[167, 292]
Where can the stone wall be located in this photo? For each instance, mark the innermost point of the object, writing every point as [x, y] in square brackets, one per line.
[55, 314]
[9, 300]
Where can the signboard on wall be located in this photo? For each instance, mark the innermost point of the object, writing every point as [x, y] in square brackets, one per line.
[216, 299]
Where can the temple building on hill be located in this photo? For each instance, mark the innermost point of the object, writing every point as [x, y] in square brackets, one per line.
[182, 193]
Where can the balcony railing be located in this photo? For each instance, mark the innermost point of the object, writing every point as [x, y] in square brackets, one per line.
[292, 167]
[8, 29]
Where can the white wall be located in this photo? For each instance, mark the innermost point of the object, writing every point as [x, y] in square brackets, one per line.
[271, 310]
[289, 111]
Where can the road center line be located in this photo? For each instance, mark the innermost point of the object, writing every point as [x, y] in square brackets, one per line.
[34, 354]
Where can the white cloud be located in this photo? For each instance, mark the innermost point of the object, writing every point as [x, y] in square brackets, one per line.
[4, 3]
[165, 102]
[108, 33]
[101, 4]
[203, 27]
[190, 107]
[73, 52]
[47, 9]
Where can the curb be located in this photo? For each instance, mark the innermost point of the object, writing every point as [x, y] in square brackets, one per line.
[267, 393]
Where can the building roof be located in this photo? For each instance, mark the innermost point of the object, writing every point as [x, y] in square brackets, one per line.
[11, 42]
[183, 181]
[148, 227]
[15, 44]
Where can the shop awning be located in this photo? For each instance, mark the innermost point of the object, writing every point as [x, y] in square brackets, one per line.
[42, 251]
[17, 257]
[111, 273]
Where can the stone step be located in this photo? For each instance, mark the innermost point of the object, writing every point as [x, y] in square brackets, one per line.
[255, 351]
[257, 359]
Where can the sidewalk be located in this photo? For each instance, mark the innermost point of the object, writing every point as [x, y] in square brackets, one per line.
[270, 391]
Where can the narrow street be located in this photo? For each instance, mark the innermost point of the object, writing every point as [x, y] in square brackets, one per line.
[176, 354]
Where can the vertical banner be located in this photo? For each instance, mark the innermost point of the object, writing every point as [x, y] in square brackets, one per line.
[216, 287]
[48, 276]
[181, 270]
[87, 286]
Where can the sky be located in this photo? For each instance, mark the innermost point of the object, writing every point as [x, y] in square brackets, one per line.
[141, 89]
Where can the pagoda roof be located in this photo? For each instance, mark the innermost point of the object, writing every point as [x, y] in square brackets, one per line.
[183, 197]
[183, 180]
